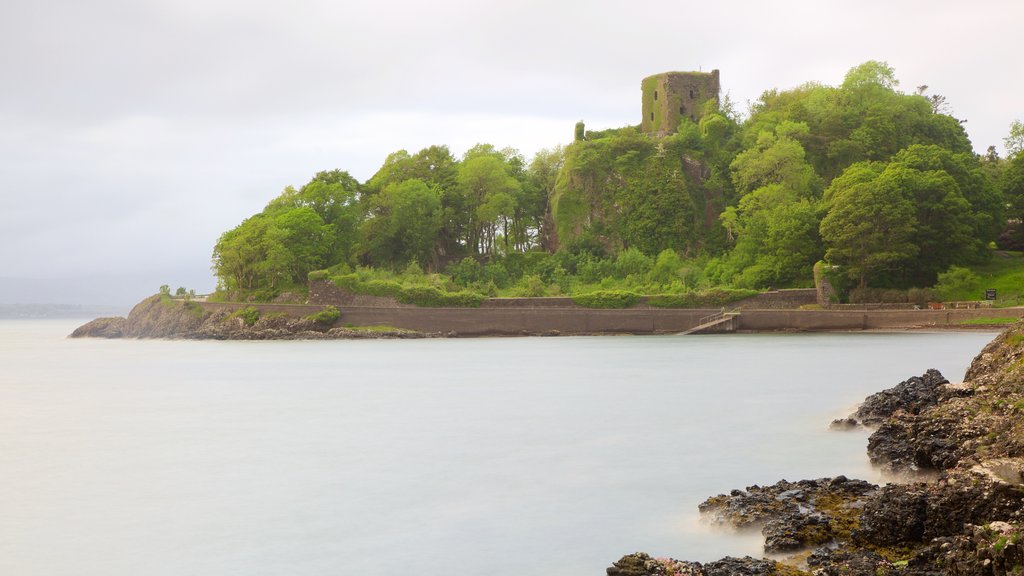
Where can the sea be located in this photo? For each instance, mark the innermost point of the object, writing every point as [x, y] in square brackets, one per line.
[497, 456]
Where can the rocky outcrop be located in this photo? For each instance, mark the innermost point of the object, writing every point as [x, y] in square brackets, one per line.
[793, 515]
[163, 317]
[912, 396]
[101, 328]
[965, 522]
[641, 564]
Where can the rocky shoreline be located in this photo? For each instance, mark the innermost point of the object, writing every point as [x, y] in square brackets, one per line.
[968, 520]
[161, 317]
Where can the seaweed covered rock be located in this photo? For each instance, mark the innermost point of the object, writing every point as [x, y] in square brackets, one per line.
[793, 515]
[641, 564]
[832, 562]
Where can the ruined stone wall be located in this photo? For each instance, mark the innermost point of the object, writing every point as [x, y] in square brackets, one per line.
[672, 96]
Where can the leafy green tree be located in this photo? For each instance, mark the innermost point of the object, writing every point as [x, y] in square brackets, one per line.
[272, 250]
[869, 226]
[1014, 142]
[334, 196]
[488, 189]
[403, 226]
[776, 159]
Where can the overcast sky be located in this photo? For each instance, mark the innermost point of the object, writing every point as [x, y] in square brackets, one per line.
[135, 132]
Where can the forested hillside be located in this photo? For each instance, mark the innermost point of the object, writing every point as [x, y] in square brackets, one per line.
[880, 183]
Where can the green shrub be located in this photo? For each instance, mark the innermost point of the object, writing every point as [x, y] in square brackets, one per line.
[327, 316]
[607, 299]
[418, 295]
[666, 267]
[633, 262]
[249, 315]
[958, 283]
[531, 286]
[318, 275]
[711, 298]
[433, 297]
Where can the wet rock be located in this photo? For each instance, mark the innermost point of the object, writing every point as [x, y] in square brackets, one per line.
[916, 513]
[745, 566]
[912, 396]
[793, 515]
[844, 424]
[796, 531]
[908, 442]
[828, 562]
[642, 564]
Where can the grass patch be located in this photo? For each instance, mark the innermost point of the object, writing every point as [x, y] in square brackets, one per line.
[325, 317]
[1004, 272]
[249, 315]
[1001, 321]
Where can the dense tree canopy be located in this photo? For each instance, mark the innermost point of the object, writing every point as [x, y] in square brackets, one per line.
[881, 183]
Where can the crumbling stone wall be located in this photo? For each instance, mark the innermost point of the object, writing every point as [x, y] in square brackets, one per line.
[670, 97]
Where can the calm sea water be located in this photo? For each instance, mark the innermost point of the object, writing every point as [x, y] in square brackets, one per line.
[527, 456]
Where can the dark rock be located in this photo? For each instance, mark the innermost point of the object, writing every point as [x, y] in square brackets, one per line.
[912, 396]
[794, 515]
[914, 442]
[916, 513]
[828, 562]
[796, 531]
[745, 566]
[641, 564]
[844, 424]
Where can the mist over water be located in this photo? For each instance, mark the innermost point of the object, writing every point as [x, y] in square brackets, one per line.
[523, 456]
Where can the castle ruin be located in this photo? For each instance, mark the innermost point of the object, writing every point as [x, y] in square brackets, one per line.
[670, 97]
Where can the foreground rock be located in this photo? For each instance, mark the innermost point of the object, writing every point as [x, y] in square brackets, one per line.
[966, 522]
[641, 564]
[162, 317]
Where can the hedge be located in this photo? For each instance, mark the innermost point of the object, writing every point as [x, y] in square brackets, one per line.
[712, 298]
[607, 299]
[427, 296]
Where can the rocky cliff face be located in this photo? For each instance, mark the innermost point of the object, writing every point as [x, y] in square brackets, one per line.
[968, 521]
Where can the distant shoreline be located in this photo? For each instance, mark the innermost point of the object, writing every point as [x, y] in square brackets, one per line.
[162, 317]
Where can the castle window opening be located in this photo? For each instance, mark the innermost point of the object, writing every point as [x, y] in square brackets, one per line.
[682, 109]
[655, 94]
[691, 94]
[652, 116]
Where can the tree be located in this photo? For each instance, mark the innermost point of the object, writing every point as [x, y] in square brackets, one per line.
[484, 180]
[1014, 141]
[869, 225]
[272, 250]
[776, 159]
[334, 196]
[403, 226]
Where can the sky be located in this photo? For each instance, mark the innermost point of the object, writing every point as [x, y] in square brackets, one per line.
[134, 133]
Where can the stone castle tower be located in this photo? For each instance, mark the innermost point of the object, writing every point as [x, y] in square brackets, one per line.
[671, 96]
